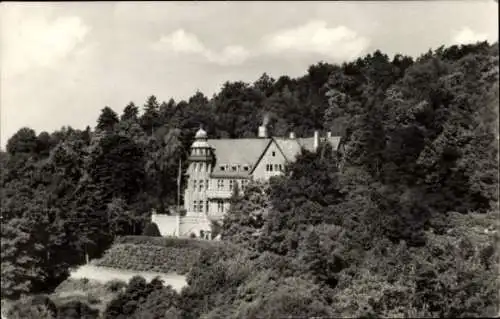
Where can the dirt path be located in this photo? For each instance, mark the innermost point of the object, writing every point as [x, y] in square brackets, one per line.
[104, 274]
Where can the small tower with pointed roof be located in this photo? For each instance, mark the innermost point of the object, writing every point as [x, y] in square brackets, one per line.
[200, 167]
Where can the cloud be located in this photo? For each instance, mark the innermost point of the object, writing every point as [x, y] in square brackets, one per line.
[32, 40]
[338, 42]
[181, 42]
[466, 36]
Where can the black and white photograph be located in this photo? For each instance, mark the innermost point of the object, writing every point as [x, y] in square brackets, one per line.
[249, 159]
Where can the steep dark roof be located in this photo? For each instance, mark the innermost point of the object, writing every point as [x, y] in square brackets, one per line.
[291, 147]
[242, 151]
[248, 151]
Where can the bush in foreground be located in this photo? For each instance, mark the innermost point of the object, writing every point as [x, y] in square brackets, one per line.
[152, 230]
[77, 310]
[142, 300]
[35, 307]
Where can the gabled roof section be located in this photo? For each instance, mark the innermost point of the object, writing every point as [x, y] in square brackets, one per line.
[249, 151]
[334, 141]
[243, 151]
[308, 142]
[289, 147]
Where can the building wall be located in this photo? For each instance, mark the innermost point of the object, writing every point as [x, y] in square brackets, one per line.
[272, 156]
[192, 225]
[211, 194]
[168, 225]
[199, 172]
[222, 194]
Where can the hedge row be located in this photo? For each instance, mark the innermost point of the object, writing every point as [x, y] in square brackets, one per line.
[159, 254]
[167, 242]
[140, 257]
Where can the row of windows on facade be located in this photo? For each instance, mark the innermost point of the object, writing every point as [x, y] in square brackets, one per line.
[201, 151]
[246, 168]
[203, 184]
[198, 206]
[274, 167]
[200, 167]
[234, 168]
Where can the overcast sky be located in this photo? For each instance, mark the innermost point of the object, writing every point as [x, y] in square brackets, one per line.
[63, 62]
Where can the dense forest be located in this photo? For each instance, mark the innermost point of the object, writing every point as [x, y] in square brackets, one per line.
[395, 225]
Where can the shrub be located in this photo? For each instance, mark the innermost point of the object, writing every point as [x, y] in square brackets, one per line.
[126, 303]
[152, 230]
[215, 228]
[93, 299]
[173, 313]
[36, 307]
[158, 302]
[76, 309]
[285, 297]
[115, 285]
[142, 300]
[84, 284]
[164, 241]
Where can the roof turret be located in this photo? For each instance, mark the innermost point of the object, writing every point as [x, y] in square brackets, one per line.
[201, 134]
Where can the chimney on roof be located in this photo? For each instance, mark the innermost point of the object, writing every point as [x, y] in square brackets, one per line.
[262, 131]
[316, 140]
[292, 135]
[263, 128]
[329, 134]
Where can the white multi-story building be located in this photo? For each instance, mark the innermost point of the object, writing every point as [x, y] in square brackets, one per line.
[217, 165]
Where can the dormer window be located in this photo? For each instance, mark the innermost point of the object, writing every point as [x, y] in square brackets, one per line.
[246, 168]
[234, 168]
[222, 168]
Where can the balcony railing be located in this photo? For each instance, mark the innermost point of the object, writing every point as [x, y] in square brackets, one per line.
[213, 193]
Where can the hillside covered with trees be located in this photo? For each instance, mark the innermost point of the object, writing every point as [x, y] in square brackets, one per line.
[401, 222]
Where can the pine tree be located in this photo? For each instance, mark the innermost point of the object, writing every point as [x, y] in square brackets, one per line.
[150, 120]
[235, 196]
[107, 119]
[130, 113]
[314, 257]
